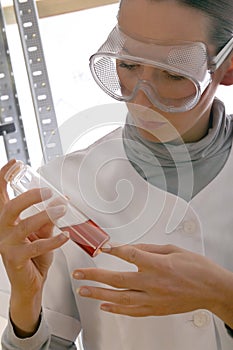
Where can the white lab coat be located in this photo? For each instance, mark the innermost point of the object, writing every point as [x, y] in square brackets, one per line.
[104, 185]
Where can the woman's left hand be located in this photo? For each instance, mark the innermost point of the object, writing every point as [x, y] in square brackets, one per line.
[169, 280]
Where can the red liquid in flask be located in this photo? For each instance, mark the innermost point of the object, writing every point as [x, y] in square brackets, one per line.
[88, 235]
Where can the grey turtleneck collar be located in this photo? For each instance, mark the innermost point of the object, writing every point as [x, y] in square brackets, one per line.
[182, 169]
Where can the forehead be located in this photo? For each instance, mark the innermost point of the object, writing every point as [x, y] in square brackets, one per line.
[163, 20]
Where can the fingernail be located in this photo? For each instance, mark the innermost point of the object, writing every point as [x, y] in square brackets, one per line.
[84, 292]
[78, 275]
[106, 247]
[63, 236]
[104, 307]
[56, 212]
[45, 193]
[66, 234]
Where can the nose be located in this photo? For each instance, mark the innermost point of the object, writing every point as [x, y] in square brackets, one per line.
[146, 78]
[147, 73]
[140, 98]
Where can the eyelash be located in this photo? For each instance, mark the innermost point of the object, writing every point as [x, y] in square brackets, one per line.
[127, 66]
[133, 66]
[174, 77]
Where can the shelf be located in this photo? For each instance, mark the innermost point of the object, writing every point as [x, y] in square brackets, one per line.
[47, 8]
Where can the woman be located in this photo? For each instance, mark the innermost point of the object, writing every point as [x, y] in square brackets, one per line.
[166, 60]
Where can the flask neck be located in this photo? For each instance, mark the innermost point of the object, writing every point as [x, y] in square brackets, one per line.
[14, 170]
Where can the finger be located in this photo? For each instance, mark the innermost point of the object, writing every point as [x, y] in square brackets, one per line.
[120, 297]
[4, 170]
[129, 253]
[37, 221]
[57, 201]
[158, 249]
[134, 311]
[45, 231]
[24, 201]
[132, 280]
[43, 246]
[3, 185]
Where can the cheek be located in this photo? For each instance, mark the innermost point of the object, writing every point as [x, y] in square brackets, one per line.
[206, 100]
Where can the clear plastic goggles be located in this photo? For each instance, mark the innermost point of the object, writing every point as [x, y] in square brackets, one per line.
[173, 77]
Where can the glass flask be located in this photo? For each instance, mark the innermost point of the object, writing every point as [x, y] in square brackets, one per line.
[82, 230]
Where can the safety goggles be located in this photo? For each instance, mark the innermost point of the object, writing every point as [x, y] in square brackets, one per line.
[173, 76]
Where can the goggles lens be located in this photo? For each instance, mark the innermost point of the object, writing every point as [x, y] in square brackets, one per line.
[173, 77]
[122, 78]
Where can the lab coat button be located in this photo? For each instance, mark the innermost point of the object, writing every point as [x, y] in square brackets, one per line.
[189, 226]
[201, 319]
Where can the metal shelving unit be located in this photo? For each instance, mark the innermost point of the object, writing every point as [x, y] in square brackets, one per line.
[27, 19]
[26, 16]
[11, 125]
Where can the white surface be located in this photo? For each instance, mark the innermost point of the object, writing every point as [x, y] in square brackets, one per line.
[3, 323]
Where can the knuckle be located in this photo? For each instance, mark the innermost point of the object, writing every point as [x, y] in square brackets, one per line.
[125, 298]
[118, 280]
[168, 247]
[170, 265]
[132, 255]
[35, 249]
[152, 284]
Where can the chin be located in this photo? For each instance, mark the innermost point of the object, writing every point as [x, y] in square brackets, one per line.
[164, 134]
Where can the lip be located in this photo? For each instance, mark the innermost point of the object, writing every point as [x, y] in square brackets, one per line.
[150, 124]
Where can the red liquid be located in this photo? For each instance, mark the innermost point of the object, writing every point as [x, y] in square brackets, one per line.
[88, 236]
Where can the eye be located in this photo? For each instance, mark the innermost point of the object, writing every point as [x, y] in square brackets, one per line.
[128, 66]
[172, 76]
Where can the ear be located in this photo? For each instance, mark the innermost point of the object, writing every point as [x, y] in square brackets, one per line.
[228, 76]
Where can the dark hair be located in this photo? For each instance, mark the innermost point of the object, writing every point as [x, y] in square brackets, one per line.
[220, 14]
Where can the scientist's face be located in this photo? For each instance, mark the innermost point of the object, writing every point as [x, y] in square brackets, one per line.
[168, 21]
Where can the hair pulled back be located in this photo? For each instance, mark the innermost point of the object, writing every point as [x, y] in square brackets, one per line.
[220, 14]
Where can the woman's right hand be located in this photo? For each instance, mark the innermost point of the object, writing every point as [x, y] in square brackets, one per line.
[26, 247]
